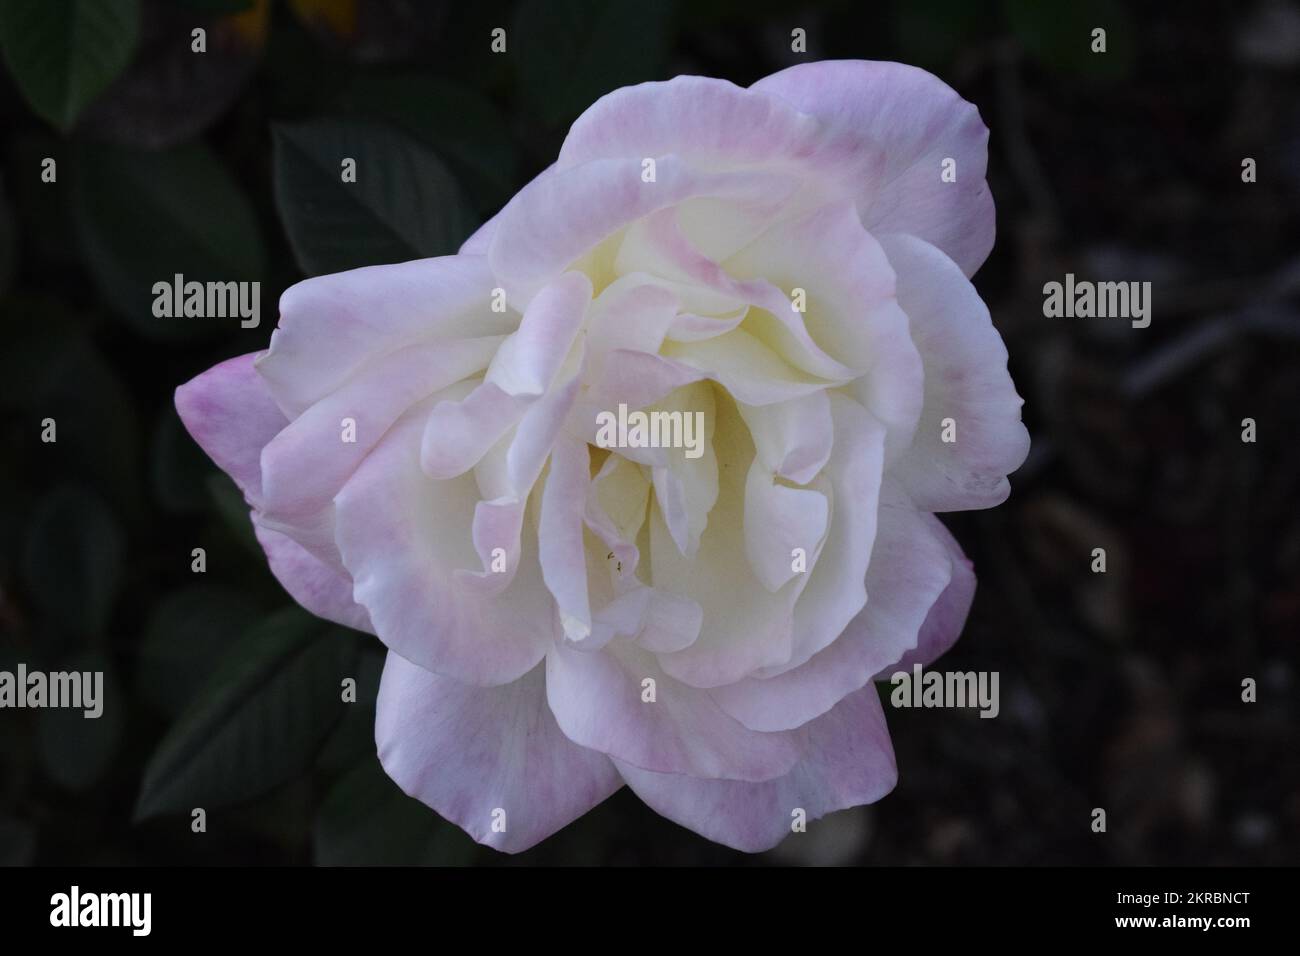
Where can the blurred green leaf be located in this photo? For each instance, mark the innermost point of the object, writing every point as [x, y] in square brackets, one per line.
[462, 125]
[63, 53]
[572, 52]
[145, 217]
[41, 209]
[234, 511]
[178, 468]
[258, 722]
[72, 562]
[76, 751]
[354, 737]
[187, 635]
[367, 821]
[1060, 36]
[47, 371]
[404, 205]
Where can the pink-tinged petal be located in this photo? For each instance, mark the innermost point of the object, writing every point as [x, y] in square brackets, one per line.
[313, 532]
[657, 245]
[332, 325]
[689, 327]
[751, 371]
[910, 568]
[672, 623]
[631, 313]
[477, 244]
[403, 536]
[563, 214]
[313, 584]
[706, 121]
[745, 626]
[850, 306]
[792, 439]
[905, 122]
[687, 488]
[230, 412]
[835, 591]
[948, 615]
[966, 379]
[598, 698]
[484, 756]
[499, 521]
[529, 360]
[560, 535]
[636, 379]
[459, 433]
[306, 464]
[847, 760]
[658, 621]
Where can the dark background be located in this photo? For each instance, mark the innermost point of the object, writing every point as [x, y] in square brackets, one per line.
[1119, 690]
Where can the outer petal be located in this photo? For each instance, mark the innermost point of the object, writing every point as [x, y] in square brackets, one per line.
[910, 121]
[966, 379]
[846, 760]
[469, 752]
[562, 215]
[706, 121]
[403, 536]
[911, 566]
[598, 700]
[331, 326]
[307, 463]
[311, 582]
[229, 411]
[944, 623]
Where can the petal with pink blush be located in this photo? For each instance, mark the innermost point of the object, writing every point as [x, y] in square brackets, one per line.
[966, 380]
[403, 536]
[459, 433]
[560, 535]
[484, 756]
[834, 591]
[332, 325]
[944, 623]
[846, 760]
[850, 309]
[231, 413]
[656, 244]
[706, 121]
[905, 122]
[911, 566]
[598, 700]
[315, 585]
[560, 216]
[305, 465]
[793, 439]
